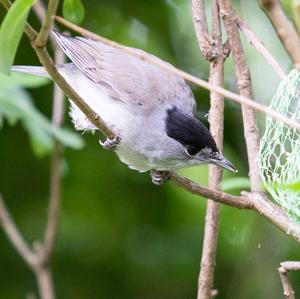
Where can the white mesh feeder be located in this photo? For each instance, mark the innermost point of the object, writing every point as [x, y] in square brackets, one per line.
[279, 153]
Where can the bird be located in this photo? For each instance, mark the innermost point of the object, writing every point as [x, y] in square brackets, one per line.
[151, 111]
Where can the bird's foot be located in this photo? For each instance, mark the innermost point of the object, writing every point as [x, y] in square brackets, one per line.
[110, 143]
[159, 177]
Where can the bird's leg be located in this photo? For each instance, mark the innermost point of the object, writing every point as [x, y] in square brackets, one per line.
[159, 177]
[110, 143]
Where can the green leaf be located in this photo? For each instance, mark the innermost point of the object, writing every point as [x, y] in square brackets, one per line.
[294, 186]
[73, 11]
[235, 183]
[15, 105]
[11, 32]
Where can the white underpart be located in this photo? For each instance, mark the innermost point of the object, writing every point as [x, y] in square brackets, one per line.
[80, 121]
[114, 113]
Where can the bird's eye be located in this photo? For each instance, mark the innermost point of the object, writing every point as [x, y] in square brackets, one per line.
[191, 151]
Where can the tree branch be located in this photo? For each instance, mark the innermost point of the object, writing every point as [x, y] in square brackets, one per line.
[283, 270]
[15, 236]
[45, 283]
[40, 11]
[47, 22]
[56, 163]
[260, 47]
[206, 43]
[284, 28]
[240, 202]
[146, 57]
[244, 85]
[216, 118]
[256, 201]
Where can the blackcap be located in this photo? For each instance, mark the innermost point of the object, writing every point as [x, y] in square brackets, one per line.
[151, 110]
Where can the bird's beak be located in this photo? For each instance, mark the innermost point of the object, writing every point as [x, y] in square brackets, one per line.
[220, 160]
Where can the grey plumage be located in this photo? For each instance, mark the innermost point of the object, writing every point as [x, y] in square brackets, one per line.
[133, 97]
[125, 77]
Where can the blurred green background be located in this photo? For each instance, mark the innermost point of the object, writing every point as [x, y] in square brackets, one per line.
[119, 235]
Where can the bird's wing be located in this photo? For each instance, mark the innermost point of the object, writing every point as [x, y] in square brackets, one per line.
[125, 77]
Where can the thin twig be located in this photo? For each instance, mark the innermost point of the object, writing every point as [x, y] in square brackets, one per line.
[45, 283]
[240, 202]
[205, 42]
[43, 274]
[291, 265]
[56, 163]
[146, 57]
[283, 270]
[216, 119]
[244, 85]
[40, 11]
[284, 28]
[260, 47]
[254, 201]
[32, 259]
[15, 236]
[42, 37]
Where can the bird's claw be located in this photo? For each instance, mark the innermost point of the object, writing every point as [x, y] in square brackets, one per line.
[159, 177]
[110, 143]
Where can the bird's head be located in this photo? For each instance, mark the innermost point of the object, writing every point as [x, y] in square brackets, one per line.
[199, 145]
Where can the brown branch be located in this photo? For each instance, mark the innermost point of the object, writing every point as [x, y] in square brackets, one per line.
[41, 39]
[291, 265]
[216, 119]
[205, 42]
[254, 201]
[260, 47]
[31, 258]
[283, 270]
[45, 283]
[284, 28]
[240, 202]
[45, 252]
[15, 236]
[40, 11]
[244, 85]
[146, 57]
[56, 163]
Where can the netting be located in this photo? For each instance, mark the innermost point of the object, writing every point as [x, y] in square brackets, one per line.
[279, 154]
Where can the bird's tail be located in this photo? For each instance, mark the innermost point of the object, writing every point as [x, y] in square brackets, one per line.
[33, 70]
